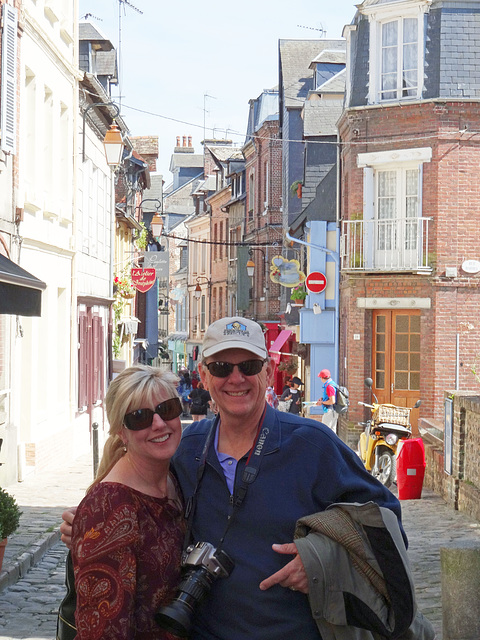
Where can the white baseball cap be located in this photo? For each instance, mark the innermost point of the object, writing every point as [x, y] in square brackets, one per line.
[234, 333]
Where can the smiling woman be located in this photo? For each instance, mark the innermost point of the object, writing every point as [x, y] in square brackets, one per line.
[132, 515]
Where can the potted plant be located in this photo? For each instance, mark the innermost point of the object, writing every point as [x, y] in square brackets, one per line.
[9, 519]
[289, 366]
[123, 290]
[298, 294]
[141, 240]
[296, 188]
[123, 286]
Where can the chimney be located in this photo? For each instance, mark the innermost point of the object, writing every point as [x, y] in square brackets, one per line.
[184, 148]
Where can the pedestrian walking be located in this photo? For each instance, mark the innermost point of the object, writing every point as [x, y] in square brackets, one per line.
[271, 397]
[293, 395]
[328, 399]
[199, 398]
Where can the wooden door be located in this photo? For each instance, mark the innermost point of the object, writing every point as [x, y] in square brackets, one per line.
[396, 358]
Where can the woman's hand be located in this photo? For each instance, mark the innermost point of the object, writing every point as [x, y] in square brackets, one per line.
[66, 527]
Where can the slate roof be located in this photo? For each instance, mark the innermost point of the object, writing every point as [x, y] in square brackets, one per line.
[186, 160]
[180, 201]
[106, 63]
[87, 31]
[224, 153]
[335, 84]
[320, 117]
[209, 184]
[156, 188]
[295, 58]
[331, 56]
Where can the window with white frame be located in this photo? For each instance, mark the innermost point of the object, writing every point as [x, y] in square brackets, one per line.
[399, 59]
[397, 46]
[393, 227]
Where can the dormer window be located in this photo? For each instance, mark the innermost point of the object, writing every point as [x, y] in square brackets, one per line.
[399, 59]
[324, 72]
[397, 50]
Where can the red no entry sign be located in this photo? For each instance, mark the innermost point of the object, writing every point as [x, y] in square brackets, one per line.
[316, 282]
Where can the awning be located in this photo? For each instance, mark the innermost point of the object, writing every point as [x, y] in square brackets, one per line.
[20, 292]
[278, 343]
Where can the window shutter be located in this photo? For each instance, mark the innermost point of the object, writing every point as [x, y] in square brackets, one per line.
[82, 360]
[420, 190]
[368, 216]
[9, 79]
[96, 326]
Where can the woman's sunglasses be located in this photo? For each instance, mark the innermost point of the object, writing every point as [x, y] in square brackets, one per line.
[224, 369]
[143, 418]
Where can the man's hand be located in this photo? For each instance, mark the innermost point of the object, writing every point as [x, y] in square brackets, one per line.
[292, 575]
[66, 526]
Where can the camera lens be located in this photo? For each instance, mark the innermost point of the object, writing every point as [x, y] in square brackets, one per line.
[177, 616]
[207, 564]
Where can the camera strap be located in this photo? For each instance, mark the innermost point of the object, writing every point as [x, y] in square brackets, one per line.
[249, 474]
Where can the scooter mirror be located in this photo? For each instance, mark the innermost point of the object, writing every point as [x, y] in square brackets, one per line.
[417, 404]
[368, 383]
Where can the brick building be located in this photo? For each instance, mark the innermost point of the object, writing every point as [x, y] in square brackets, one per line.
[410, 199]
[263, 220]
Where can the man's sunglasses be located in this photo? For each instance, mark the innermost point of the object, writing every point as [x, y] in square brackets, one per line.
[224, 369]
[143, 418]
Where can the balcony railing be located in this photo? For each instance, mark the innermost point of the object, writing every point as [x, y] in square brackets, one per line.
[385, 245]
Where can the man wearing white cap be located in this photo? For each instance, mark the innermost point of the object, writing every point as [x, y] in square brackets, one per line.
[262, 471]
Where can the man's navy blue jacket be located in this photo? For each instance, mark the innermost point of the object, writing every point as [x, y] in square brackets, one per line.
[305, 469]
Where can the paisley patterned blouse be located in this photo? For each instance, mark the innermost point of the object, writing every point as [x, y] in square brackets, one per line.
[126, 550]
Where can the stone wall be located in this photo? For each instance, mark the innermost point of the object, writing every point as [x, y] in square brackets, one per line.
[461, 489]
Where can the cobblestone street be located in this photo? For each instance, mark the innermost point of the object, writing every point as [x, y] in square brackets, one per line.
[28, 607]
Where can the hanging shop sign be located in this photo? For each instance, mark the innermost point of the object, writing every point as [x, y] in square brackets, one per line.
[286, 272]
[143, 279]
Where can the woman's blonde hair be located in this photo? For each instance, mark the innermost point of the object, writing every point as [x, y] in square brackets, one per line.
[136, 387]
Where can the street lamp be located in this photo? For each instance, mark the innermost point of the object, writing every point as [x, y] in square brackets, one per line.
[113, 141]
[155, 223]
[113, 144]
[156, 226]
[198, 289]
[251, 263]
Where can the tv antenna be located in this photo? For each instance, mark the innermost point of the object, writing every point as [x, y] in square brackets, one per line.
[90, 15]
[205, 96]
[124, 3]
[319, 28]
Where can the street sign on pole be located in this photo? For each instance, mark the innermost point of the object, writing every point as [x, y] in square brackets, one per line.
[316, 282]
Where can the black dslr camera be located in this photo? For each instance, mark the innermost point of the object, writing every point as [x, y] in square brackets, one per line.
[203, 564]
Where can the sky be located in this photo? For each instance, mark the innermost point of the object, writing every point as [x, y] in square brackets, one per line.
[187, 67]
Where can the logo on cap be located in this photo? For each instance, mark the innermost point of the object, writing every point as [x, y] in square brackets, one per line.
[236, 328]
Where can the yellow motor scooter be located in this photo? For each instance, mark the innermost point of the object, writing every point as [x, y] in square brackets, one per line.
[378, 442]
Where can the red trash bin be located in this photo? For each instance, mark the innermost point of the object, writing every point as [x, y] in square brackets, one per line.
[410, 468]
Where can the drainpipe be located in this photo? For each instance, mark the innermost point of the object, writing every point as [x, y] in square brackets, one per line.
[336, 257]
[337, 208]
